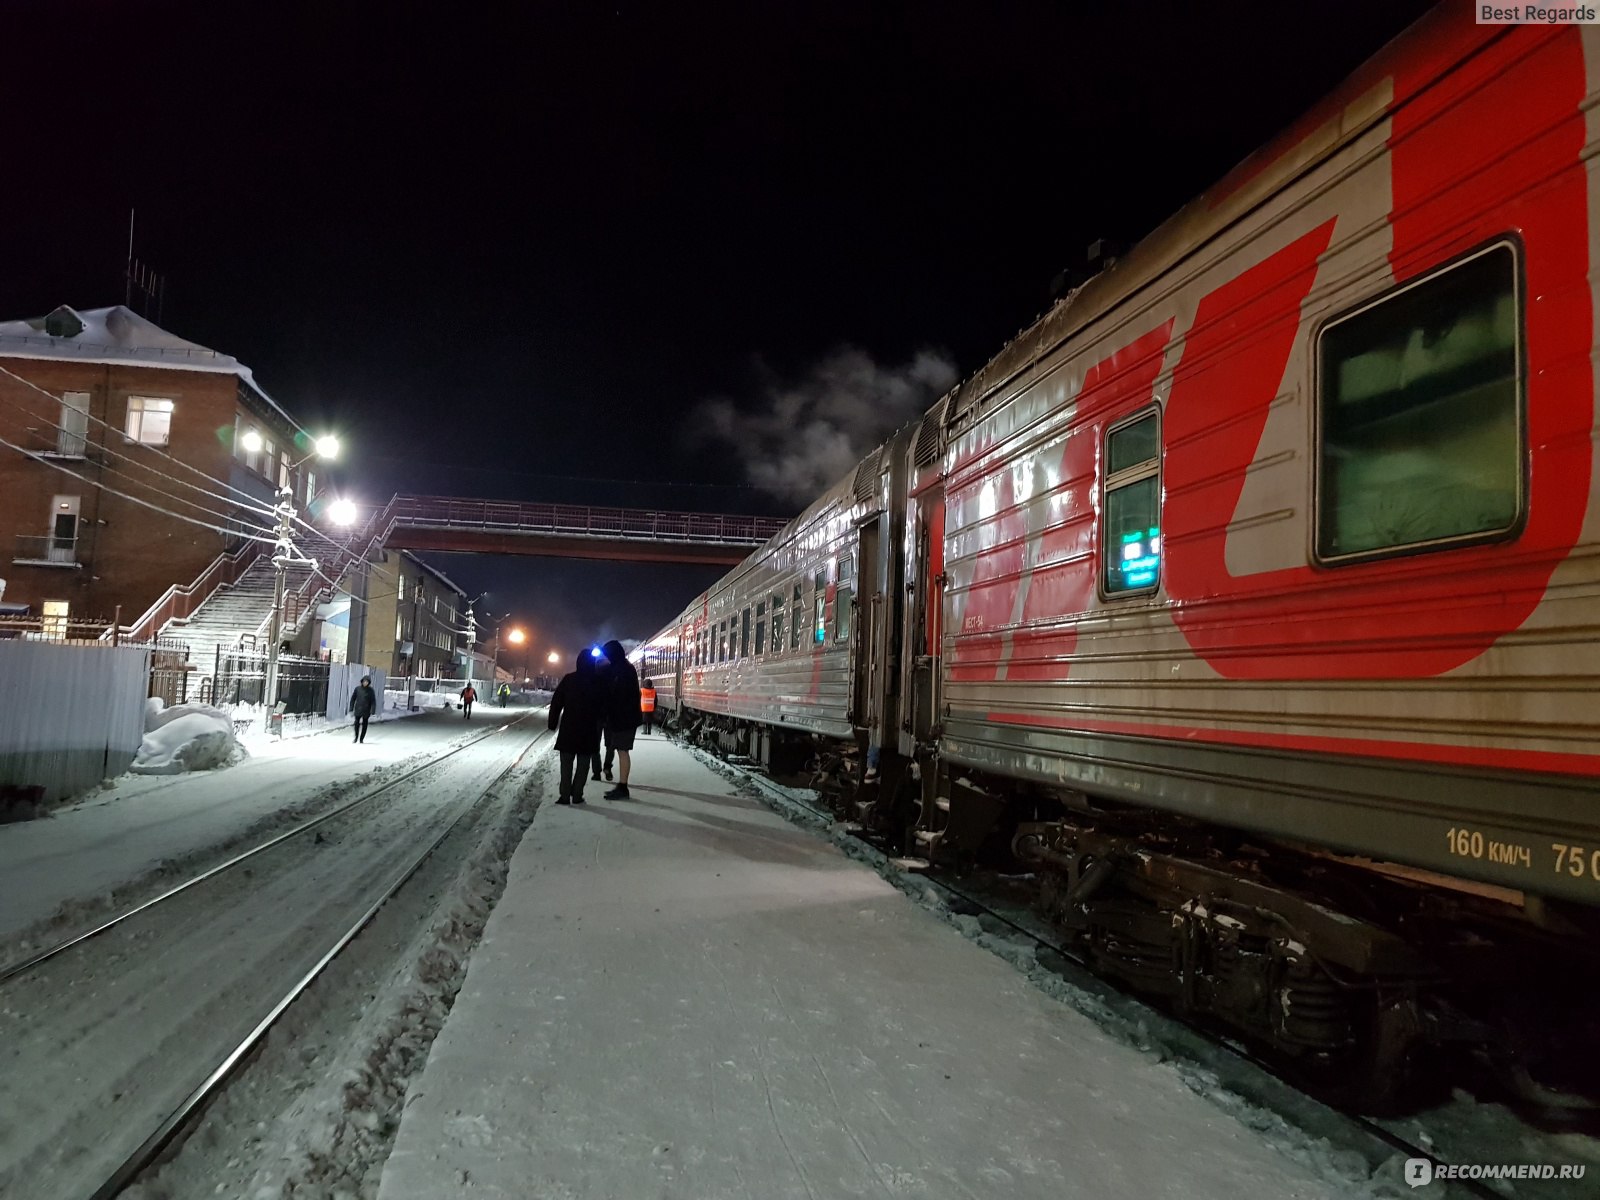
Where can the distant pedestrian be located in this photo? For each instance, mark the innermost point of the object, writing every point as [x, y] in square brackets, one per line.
[622, 714]
[468, 695]
[576, 711]
[505, 694]
[647, 705]
[363, 703]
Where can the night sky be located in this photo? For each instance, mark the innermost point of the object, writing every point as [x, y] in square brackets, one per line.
[584, 251]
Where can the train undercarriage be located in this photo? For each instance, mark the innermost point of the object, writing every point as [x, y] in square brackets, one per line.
[1370, 990]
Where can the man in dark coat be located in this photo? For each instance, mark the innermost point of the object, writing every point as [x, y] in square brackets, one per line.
[576, 711]
[363, 703]
[622, 713]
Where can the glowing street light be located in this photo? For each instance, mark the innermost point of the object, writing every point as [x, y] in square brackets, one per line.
[517, 637]
[252, 441]
[555, 657]
[327, 446]
[342, 511]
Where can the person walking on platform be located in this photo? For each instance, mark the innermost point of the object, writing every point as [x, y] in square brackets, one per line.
[576, 711]
[505, 694]
[363, 703]
[468, 695]
[602, 676]
[647, 705]
[622, 713]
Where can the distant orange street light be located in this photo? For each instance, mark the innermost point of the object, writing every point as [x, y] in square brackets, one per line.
[555, 656]
[517, 637]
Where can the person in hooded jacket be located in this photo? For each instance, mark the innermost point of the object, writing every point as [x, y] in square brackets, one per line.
[622, 716]
[363, 703]
[576, 712]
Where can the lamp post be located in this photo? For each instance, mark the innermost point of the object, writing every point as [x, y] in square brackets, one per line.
[284, 552]
[519, 637]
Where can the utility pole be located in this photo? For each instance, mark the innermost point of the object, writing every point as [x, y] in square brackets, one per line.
[284, 552]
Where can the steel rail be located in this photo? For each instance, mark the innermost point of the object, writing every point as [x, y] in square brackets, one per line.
[22, 966]
[151, 1148]
[1365, 1124]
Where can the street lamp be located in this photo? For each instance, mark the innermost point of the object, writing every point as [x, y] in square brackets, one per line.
[284, 552]
[342, 511]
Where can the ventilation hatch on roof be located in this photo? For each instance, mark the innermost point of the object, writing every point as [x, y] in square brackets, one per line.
[63, 323]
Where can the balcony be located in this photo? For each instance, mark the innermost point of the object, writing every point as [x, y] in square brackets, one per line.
[46, 552]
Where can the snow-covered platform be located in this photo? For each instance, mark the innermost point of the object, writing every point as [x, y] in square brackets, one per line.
[682, 995]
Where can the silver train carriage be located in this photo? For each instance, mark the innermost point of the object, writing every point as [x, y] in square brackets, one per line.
[1251, 597]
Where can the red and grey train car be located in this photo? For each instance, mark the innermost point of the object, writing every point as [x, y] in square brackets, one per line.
[1251, 595]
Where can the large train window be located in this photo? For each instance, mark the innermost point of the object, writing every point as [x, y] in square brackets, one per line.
[722, 642]
[1420, 442]
[744, 634]
[841, 599]
[777, 622]
[797, 622]
[1132, 506]
[761, 628]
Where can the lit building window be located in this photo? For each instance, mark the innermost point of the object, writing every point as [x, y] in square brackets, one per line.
[54, 624]
[149, 420]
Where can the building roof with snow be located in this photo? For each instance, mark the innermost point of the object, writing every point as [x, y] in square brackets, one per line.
[118, 335]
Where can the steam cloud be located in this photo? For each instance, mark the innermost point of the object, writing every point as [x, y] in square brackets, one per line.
[804, 436]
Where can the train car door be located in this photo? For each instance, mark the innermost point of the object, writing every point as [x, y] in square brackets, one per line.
[928, 624]
[867, 654]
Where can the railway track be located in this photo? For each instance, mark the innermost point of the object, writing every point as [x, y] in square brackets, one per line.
[973, 901]
[187, 907]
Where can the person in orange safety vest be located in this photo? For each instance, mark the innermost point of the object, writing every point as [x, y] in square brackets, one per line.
[647, 704]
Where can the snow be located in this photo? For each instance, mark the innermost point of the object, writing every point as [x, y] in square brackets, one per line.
[185, 737]
[102, 1042]
[83, 856]
[683, 995]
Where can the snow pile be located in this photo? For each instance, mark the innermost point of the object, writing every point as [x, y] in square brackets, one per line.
[185, 737]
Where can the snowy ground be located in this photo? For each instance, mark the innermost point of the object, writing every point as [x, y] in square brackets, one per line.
[682, 995]
[74, 861]
[102, 1042]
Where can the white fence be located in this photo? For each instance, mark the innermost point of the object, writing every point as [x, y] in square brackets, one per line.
[70, 714]
[342, 681]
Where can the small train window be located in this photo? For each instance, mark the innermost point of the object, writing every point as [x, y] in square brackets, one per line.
[1419, 415]
[761, 628]
[819, 602]
[777, 623]
[1132, 508]
[744, 634]
[722, 642]
[842, 598]
[796, 618]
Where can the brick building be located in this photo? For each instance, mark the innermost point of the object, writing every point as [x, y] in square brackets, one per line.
[405, 617]
[96, 406]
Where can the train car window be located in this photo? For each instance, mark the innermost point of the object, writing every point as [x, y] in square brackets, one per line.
[722, 643]
[1131, 512]
[777, 623]
[796, 619]
[842, 597]
[744, 634]
[1420, 440]
[819, 601]
[761, 628]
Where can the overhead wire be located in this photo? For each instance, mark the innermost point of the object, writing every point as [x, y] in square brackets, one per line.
[220, 516]
[37, 457]
[245, 498]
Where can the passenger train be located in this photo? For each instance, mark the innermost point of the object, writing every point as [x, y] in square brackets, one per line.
[1250, 597]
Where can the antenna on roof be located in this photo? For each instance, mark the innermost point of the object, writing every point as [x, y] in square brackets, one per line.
[138, 277]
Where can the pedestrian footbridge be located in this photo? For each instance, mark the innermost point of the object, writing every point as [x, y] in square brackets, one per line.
[450, 524]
